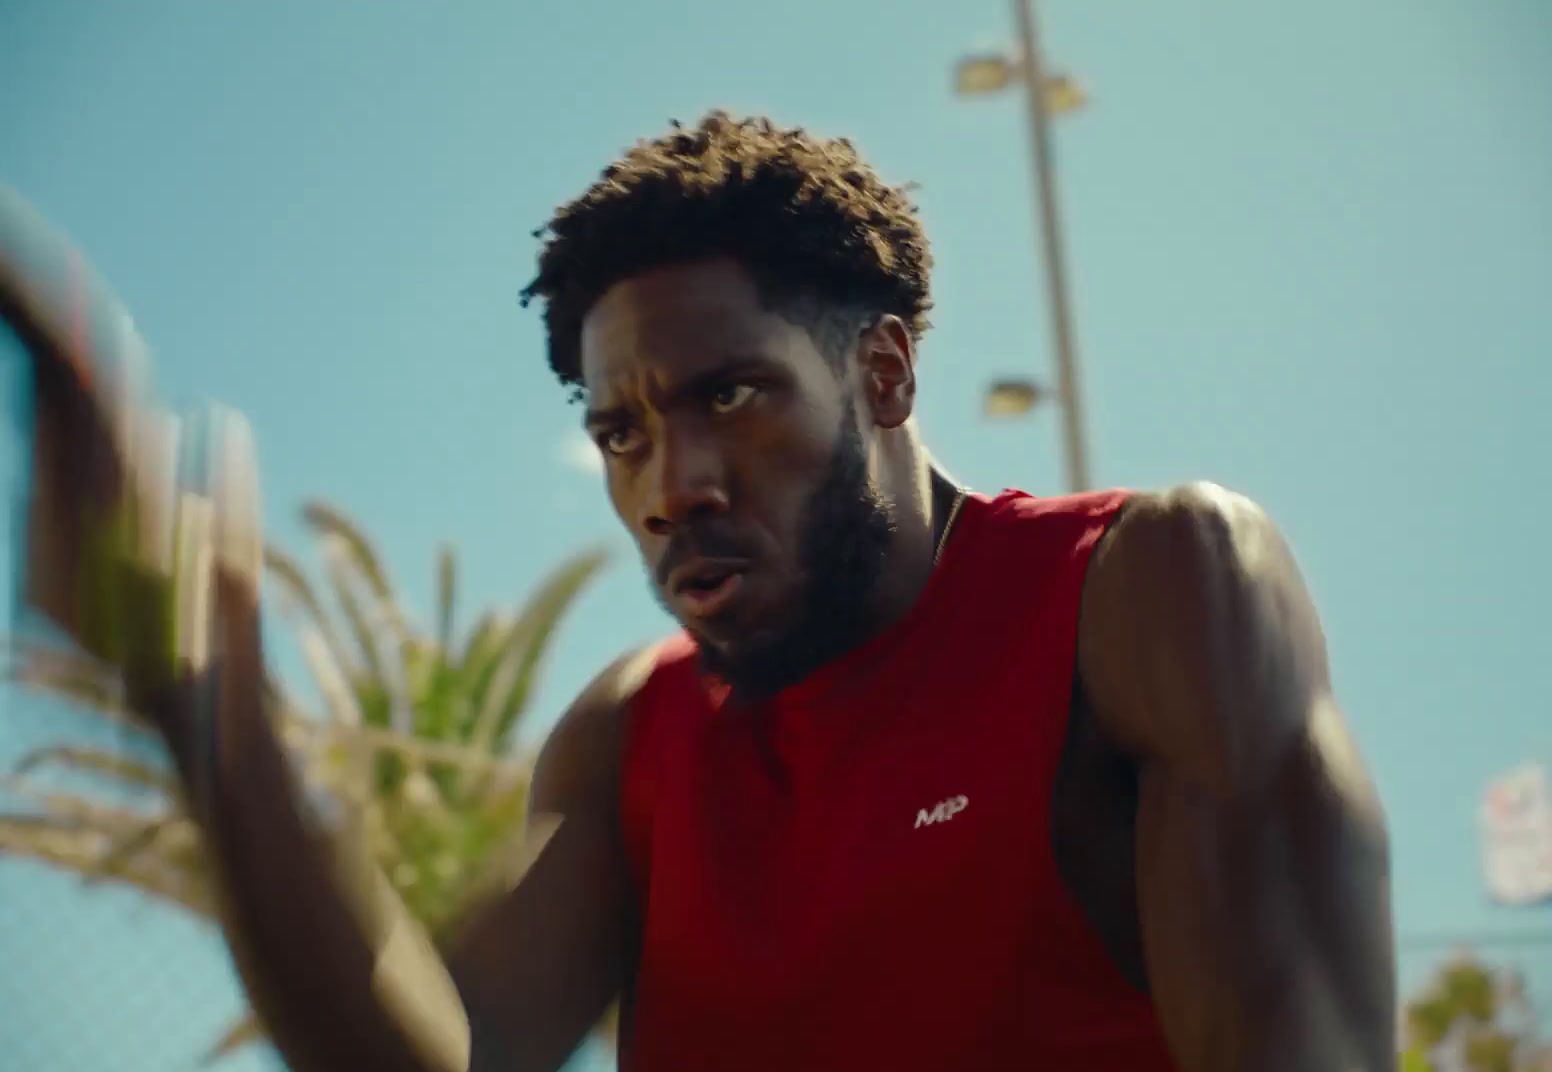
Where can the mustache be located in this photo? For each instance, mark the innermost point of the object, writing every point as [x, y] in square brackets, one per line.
[704, 542]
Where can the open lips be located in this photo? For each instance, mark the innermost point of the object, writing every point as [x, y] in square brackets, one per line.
[704, 586]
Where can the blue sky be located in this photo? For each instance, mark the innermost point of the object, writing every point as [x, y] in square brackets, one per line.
[1311, 250]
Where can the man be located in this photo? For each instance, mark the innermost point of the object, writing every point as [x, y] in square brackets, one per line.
[931, 779]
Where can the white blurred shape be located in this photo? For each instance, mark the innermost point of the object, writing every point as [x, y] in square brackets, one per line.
[1515, 818]
[578, 452]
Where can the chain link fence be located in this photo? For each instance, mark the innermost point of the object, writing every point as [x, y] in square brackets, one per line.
[98, 975]
[95, 974]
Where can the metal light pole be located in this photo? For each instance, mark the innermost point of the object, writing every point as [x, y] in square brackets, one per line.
[1044, 95]
[1067, 386]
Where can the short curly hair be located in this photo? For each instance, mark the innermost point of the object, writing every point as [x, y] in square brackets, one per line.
[817, 229]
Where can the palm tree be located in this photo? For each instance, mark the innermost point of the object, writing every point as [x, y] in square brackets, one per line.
[1472, 1017]
[413, 752]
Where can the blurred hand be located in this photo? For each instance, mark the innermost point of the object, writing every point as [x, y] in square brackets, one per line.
[143, 548]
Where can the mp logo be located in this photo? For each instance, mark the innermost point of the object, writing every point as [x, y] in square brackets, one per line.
[945, 810]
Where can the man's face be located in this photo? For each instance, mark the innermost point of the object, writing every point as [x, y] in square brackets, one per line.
[735, 458]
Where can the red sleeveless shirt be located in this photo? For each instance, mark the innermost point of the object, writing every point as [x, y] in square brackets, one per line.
[858, 874]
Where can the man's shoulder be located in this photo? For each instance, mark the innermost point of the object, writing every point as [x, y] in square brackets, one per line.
[1014, 502]
[1194, 605]
[1171, 549]
[1194, 498]
[1016, 511]
[1034, 534]
[1198, 523]
[581, 757]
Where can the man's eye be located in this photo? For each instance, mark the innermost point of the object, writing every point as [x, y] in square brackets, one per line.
[727, 399]
[619, 440]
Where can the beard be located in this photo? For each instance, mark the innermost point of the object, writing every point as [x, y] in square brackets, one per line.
[844, 537]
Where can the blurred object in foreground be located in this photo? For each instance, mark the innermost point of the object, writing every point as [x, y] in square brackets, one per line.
[1011, 398]
[88, 369]
[412, 757]
[1516, 824]
[413, 754]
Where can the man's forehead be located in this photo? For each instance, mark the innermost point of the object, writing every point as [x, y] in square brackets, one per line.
[679, 319]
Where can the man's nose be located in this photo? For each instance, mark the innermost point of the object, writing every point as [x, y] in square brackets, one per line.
[687, 483]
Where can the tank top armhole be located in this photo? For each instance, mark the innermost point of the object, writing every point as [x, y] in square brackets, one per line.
[1077, 716]
[1107, 509]
[642, 742]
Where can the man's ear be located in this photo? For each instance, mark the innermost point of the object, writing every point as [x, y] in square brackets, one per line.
[886, 360]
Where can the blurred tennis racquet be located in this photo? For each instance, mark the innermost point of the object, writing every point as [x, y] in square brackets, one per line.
[141, 547]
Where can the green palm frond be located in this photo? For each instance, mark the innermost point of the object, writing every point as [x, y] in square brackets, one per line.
[482, 652]
[300, 599]
[73, 677]
[340, 697]
[342, 575]
[395, 653]
[330, 521]
[483, 639]
[492, 693]
[424, 663]
[372, 609]
[81, 848]
[172, 842]
[424, 751]
[526, 645]
[112, 820]
[447, 594]
[61, 670]
[110, 765]
[496, 838]
[433, 688]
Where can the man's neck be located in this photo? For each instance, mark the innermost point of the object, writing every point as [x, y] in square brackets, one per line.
[922, 524]
[944, 496]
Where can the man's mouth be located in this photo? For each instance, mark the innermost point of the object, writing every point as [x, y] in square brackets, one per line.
[703, 588]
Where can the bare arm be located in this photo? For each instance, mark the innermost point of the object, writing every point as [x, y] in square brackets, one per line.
[540, 968]
[338, 971]
[341, 974]
[1263, 870]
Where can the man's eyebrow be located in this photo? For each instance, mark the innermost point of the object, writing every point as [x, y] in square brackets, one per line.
[719, 374]
[698, 384]
[608, 415]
